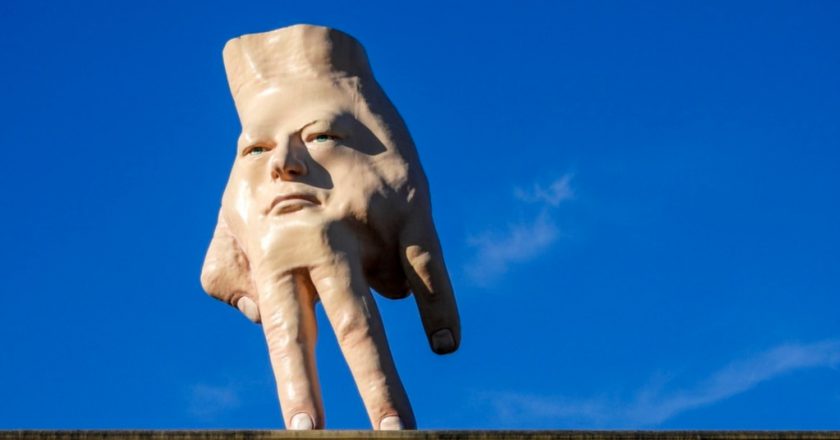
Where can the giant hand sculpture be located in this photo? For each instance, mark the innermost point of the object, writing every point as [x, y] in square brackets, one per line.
[325, 200]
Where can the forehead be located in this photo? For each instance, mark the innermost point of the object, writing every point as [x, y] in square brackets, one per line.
[295, 104]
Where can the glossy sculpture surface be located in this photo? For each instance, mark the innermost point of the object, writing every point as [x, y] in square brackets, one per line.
[325, 200]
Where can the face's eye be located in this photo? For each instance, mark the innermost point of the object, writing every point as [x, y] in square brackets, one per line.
[255, 150]
[320, 138]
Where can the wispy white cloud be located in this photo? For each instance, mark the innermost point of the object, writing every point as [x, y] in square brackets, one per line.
[558, 191]
[495, 252]
[656, 403]
[206, 401]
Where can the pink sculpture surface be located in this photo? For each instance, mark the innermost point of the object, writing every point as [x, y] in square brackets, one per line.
[326, 199]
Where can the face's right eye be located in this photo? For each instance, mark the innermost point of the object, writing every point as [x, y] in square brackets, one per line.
[255, 150]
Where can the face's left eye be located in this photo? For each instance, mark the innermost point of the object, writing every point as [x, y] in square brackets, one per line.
[320, 138]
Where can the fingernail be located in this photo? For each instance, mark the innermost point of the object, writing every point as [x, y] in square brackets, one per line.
[443, 341]
[391, 423]
[302, 421]
[248, 308]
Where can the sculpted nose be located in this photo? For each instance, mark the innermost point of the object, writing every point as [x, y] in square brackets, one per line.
[285, 164]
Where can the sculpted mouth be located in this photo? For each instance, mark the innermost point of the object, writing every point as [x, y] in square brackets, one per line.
[292, 202]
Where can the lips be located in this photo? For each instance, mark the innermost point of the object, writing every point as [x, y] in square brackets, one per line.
[292, 202]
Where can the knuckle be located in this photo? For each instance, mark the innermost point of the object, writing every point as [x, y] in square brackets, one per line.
[351, 328]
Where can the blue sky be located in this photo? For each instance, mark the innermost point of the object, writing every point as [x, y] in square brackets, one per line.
[638, 204]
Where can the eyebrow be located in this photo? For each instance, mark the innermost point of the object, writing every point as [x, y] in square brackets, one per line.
[312, 123]
[250, 133]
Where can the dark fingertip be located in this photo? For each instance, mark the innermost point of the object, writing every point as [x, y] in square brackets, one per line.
[443, 342]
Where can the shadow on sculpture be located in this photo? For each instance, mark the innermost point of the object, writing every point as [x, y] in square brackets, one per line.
[326, 199]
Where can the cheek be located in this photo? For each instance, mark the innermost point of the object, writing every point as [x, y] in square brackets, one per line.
[325, 155]
[339, 161]
[355, 180]
[254, 174]
[242, 195]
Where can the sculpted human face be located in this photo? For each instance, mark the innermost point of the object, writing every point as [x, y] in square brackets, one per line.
[303, 161]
